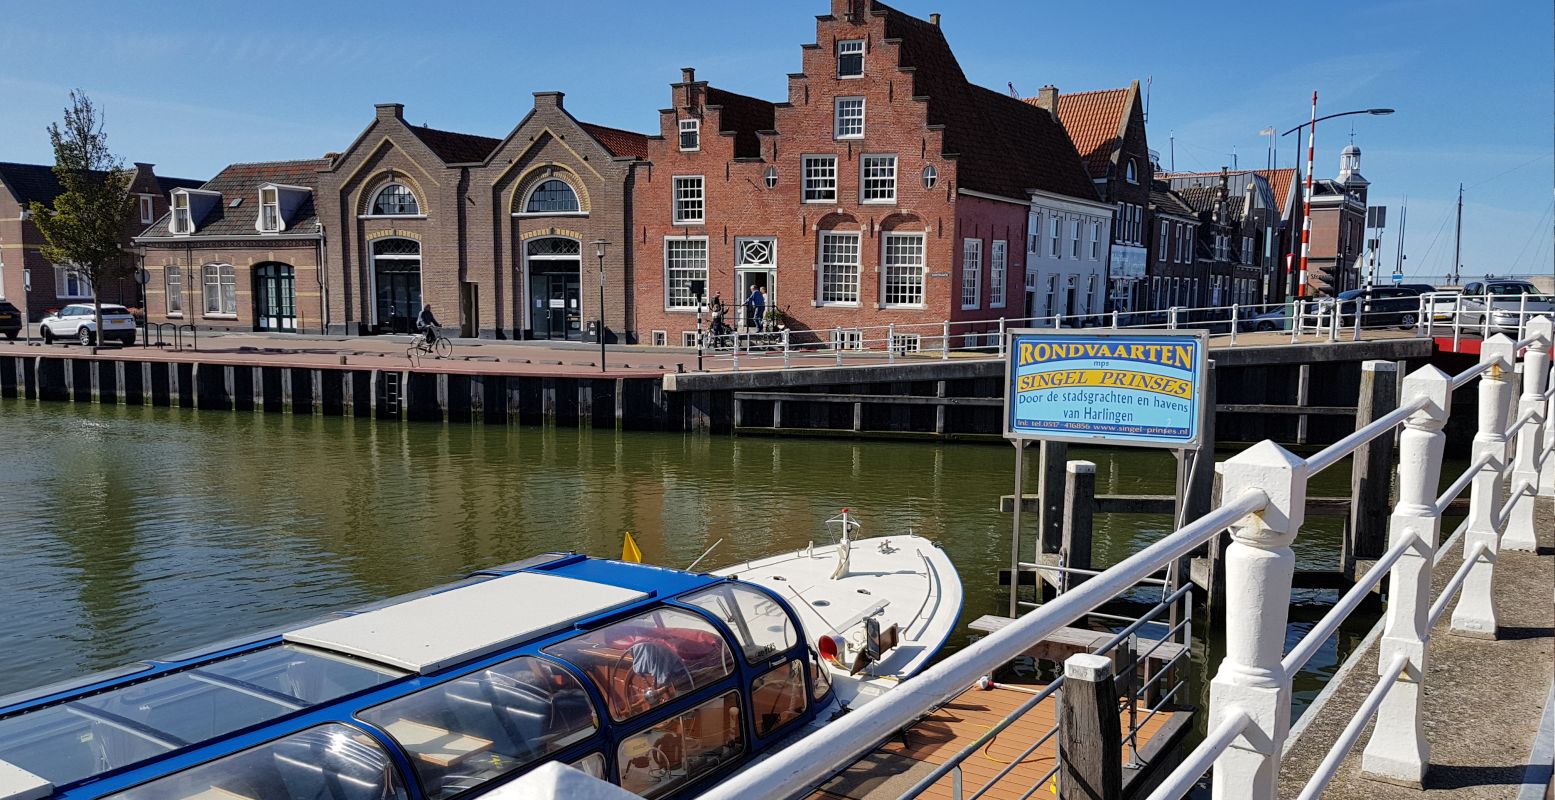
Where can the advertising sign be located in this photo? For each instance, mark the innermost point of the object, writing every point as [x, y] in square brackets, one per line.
[1112, 387]
[1126, 261]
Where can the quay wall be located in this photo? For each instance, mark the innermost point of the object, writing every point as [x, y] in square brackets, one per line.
[636, 402]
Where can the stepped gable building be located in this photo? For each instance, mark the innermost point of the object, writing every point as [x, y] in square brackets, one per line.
[56, 285]
[1270, 208]
[240, 252]
[494, 233]
[1172, 269]
[1108, 130]
[886, 188]
[1229, 266]
[541, 199]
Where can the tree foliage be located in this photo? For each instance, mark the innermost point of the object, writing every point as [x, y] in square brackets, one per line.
[85, 227]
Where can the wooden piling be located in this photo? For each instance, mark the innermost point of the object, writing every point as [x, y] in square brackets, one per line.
[1051, 457]
[1079, 513]
[1089, 731]
[1371, 470]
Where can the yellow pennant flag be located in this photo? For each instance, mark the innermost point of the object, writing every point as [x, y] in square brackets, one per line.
[629, 551]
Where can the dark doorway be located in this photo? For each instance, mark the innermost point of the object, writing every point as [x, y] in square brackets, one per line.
[555, 289]
[396, 284]
[275, 298]
[469, 305]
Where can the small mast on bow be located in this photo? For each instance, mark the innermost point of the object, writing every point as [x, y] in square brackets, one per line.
[845, 544]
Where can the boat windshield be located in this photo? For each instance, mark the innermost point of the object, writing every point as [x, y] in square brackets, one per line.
[760, 624]
[331, 761]
[650, 659]
[91, 735]
[479, 727]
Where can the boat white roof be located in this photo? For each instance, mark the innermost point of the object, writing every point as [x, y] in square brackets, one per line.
[19, 784]
[429, 633]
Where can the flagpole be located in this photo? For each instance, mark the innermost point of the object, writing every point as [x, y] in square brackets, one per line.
[1306, 205]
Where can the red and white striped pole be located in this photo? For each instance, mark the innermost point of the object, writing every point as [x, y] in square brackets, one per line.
[1306, 205]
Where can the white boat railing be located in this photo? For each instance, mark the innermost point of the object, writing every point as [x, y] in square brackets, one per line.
[1263, 504]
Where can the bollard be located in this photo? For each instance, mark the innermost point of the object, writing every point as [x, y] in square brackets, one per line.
[1520, 533]
[1259, 568]
[1089, 731]
[1398, 750]
[1476, 612]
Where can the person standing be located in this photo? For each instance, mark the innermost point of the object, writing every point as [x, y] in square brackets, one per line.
[757, 302]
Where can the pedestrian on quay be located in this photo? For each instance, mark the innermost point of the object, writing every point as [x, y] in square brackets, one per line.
[757, 302]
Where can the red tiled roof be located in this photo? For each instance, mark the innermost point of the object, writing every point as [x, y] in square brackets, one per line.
[1003, 146]
[622, 144]
[455, 148]
[1093, 120]
[1280, 180]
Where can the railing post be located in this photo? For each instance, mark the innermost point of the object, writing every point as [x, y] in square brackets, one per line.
[1547, 466]
[1236, 309]
[890, 343]
[785, 348]
[1520, 533]
[1259, 567]
[836, 343]
[1114, 319]
[1398, 750]
[1476, 611]
[1171, 318]
[1001, 337]
[1090, 738]
[944, 342]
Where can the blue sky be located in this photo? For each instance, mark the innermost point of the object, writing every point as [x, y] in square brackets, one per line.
[194, 87]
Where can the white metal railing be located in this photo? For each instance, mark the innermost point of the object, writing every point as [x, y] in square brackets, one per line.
[1264, 491]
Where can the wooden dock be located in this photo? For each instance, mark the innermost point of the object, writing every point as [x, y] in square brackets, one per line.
[895, 766]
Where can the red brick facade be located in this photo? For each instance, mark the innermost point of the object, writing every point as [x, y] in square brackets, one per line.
[842, 259]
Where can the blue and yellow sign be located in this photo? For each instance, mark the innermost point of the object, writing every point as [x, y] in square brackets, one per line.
[1120, 388]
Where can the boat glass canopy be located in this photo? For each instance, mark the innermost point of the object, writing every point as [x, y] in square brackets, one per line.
[97, 733]
[331, 761]
[762, 627]
[650, 659]
[478, 727]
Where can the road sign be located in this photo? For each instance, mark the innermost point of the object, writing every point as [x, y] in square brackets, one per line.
[1398, 278]
[1113, 387]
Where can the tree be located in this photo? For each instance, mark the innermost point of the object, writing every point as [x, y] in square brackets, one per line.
[85, 226]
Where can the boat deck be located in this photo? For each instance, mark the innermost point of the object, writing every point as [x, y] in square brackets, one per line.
[895, 766]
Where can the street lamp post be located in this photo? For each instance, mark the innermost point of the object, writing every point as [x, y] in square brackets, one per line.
[1299, 289]
[599, 251]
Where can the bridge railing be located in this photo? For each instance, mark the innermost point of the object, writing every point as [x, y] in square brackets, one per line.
[1263, 504]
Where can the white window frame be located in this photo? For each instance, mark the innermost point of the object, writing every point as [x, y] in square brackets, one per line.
[904, 343]
[1055, 236]
[226, 291]
[837, 118]
[971, 274]
[846, 47]
[847, 339]
[63, 277]
[372, 207]
[1131, 172]
[894, 274]
[1166, 230]
[770, 177]
[1074, 238]
[864, 179]
[680, 217]
[930, 176]
[805, 177]
[529, 195]
[1034, 232]
[690, 125]
[824, 268]
[173, 290]
[270, 212]
[147, 210]
[1095, 240]
[1052, 298]
[669, 294]
[998, 271]
[181, 222]
[1090, 295]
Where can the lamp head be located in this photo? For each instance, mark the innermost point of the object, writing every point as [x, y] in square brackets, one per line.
[1379, 112]
[599, 247]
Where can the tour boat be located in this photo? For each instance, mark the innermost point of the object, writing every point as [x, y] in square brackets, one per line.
[660, 680]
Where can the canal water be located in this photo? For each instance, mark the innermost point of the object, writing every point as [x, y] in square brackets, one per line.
[131, 532]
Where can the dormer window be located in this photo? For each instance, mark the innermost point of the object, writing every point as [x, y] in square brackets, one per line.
[395, 200]
[850, 58]
[691, 134]
[182, 223]
[269, 209]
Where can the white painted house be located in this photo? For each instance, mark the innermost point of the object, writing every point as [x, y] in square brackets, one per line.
[1067, 243]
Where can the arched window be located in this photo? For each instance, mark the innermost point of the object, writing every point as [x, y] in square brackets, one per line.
[395, 200]
[771, 177]
[553, 196]
[1132, 173]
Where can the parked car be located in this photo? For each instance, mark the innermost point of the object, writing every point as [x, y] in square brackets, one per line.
[1276, 320]
[77, 322]
[1380, 306]
[10, 320]
[1442, 303]
[1502, 301]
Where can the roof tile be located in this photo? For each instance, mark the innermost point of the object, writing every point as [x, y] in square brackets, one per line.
[455, 148]
[1093, 120]
[244, 180]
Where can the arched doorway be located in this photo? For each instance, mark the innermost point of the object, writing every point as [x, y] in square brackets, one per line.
[555, 297]
[275, 298]
[396, 285]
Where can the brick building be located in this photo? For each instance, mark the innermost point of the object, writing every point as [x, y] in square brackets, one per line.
[886, 188]
[493, 233]
[55, 285]
[1173, 269]
[1108, 130]
[240, 252]
[1338, 241]
[1266, 206]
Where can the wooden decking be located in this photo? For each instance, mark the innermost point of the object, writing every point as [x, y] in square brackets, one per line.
[895, 766]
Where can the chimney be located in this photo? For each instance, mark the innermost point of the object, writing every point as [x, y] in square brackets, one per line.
[934, 20]
[549, 99]
[1047, 97]
[688, 74]
[390, 110]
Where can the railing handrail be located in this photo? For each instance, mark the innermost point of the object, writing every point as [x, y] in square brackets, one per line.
[840, 742]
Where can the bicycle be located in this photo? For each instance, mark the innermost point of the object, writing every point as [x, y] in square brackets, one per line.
[439, 348]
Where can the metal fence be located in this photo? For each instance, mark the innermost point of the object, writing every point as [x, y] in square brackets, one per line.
[1263, 504]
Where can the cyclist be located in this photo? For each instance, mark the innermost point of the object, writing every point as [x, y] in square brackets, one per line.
[427, 324]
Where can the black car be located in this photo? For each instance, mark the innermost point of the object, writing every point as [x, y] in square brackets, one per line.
[10, 320]
[1380, 306]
